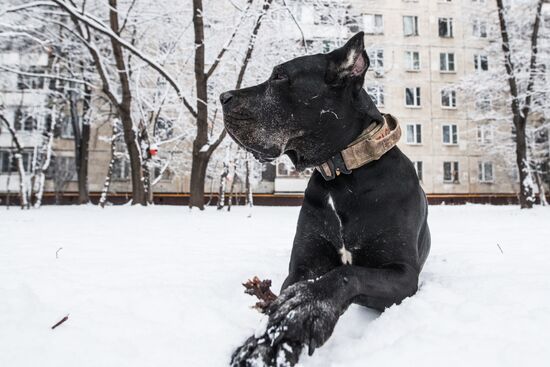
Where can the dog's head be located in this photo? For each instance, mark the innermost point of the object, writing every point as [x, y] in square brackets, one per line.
[310, 108]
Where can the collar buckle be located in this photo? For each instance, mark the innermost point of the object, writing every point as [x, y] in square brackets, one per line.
[333, 167]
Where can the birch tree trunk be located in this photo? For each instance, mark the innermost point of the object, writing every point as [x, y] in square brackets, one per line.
[47, 161]
[108, 177]
[223, 184]
[22, 183]
[248, 184]
[23, 192]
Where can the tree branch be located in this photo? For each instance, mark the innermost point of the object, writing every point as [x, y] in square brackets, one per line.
[304, 43]
[533, 63]
[224, 49]
[48, 76]
[248, 56]
[508, 64]
[12, 133]
[127, 16]
[25, 6]
[109, 33]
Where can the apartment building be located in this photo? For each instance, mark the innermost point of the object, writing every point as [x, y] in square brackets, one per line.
[419, 51]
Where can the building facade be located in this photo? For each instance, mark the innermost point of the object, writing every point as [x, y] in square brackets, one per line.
[419, 52]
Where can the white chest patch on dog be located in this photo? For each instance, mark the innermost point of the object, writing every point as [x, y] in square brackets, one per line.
[345, 255]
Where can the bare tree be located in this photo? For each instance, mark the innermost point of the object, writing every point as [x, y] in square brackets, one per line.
[521, 101]
[202, 146]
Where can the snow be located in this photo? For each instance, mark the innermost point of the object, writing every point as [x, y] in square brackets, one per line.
[161, 286]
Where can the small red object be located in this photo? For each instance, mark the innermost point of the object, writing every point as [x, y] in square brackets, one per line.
[153, 150]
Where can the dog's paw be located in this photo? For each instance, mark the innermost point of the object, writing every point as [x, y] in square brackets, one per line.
[305, 314]
[259, 352]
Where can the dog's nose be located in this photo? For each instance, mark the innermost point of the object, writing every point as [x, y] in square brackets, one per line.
[225, 97]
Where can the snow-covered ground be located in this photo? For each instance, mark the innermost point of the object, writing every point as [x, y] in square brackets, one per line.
[161, 286]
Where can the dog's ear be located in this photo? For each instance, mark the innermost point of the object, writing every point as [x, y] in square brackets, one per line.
[349, 63]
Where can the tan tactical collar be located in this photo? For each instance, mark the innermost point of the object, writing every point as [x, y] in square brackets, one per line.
[372, 144]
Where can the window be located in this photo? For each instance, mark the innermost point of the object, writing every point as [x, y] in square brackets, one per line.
[479, 28]
[377, 61]
[121, 169]
[31, 81]
[5, 157]
[67, 130]
[412, 60]
[27, 161]
[62, 169]
[164, 175]
[410, 25]
[447, 62]
[164, 129]
[373, 23]
[514, 174]
[414, 134]
[450, 172]
[485, 134]
[284, 169]
[450, 134]
[481, 63]
[23, 120]
[376, 93]
[66, 167]
[8, 163]
[446, 27]
[412, 97]
[485, 172]
[328, 45]
[419, 169]
[484, 103]
[448, 98]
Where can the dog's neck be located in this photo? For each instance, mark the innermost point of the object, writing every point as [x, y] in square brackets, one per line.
[376, 140]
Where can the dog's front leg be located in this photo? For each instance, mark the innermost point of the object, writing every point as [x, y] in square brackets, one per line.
[306, 312]
[377, 288]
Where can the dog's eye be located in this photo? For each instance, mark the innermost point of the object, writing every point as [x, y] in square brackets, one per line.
[277, 76]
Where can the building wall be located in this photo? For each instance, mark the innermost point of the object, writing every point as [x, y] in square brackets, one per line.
[394, 79]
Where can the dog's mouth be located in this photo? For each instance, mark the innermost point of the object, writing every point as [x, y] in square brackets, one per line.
[233, 116]
[262, 157]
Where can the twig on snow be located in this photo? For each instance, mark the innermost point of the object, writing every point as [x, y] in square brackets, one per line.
[61, 321]
[260, 289]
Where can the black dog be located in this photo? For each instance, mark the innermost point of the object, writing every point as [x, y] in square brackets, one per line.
[362, 234]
